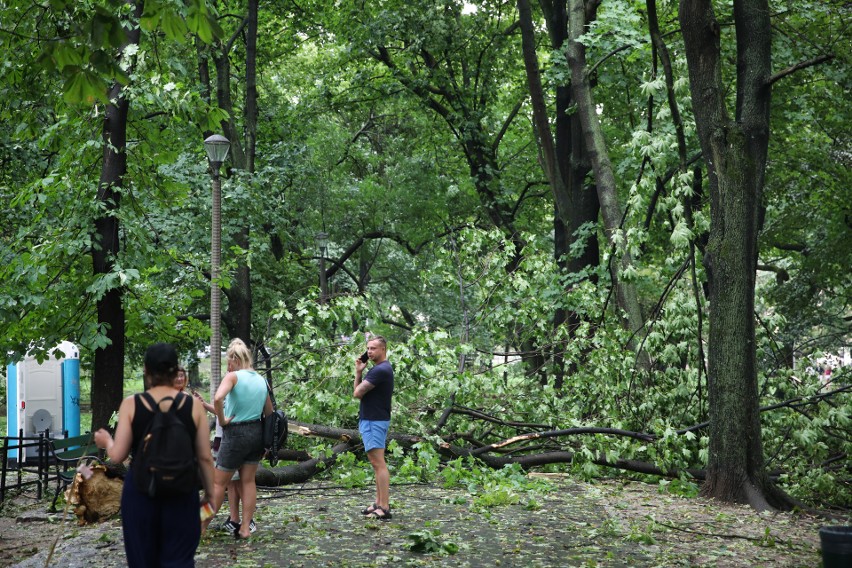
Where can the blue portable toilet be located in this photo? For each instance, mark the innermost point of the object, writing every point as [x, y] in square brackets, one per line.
[44, 397]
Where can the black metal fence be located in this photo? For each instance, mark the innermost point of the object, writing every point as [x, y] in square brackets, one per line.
[25, 470]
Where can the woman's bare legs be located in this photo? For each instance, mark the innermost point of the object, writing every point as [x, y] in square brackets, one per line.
[220, 480]
[248, 497]
[234, 500]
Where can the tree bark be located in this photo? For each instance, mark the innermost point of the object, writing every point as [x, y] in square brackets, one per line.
[735, 152]
[108, 372]
[302, 471]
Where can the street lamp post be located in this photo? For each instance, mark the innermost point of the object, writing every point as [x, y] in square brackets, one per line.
[217, 149]
[322, 244]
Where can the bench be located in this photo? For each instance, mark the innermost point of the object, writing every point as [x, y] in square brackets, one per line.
[67, 454]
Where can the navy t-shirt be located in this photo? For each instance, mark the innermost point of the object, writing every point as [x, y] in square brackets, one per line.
[376, 404]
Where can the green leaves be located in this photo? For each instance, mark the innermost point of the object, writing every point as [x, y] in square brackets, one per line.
[89, 52]
[430, 541]
[106, 28]
[83, 86]
[118, 278]
[177, 19]
[201, 20]
[165, 16]
[349, 146]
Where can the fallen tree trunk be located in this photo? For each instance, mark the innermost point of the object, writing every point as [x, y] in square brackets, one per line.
[302, 471]
[350, 440]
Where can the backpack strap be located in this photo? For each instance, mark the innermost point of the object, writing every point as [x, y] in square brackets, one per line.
[271, 395]
[178, 401]
[152, 404]
[178, 405]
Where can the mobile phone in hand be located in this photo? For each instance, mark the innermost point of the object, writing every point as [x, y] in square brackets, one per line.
[364, 357]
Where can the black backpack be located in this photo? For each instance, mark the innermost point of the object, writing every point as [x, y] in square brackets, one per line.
[164, 463]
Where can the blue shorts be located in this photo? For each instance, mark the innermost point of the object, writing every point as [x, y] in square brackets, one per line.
[374, 433]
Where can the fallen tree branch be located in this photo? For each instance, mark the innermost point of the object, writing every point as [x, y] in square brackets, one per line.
[547, 458]
[566, 432]
[719, 535]
[351, 440]
[488, 418]
[793, 403]
[445, 415]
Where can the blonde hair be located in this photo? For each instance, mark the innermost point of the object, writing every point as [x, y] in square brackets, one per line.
[239, 352]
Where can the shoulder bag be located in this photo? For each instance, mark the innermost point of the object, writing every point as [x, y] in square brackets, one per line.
[274, 430]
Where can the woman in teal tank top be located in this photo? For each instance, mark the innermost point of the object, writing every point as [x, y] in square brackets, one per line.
[239, 402]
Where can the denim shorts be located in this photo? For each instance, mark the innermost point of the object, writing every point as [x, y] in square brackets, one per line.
[217, 442]
[242, 444]
[374, 433]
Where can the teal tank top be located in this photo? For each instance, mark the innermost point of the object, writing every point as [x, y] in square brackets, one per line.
[245, 401]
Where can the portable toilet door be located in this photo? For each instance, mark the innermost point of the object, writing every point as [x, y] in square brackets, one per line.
[12, 408]
[70, 389]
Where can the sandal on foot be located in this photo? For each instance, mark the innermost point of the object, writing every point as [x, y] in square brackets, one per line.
[384, 516]
[370, 509]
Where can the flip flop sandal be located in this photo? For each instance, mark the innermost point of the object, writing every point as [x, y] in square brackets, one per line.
[385, 516]
[370, 509]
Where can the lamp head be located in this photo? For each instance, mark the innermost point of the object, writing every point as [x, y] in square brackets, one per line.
[322, 241]
[217, 147]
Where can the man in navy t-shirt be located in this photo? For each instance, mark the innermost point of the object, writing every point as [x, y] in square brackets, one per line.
[375, 392]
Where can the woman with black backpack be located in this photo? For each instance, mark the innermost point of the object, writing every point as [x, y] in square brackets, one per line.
[167, 432]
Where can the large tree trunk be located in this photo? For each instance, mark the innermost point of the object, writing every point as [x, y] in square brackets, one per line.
[238, 314]
[240, 296]
[108, 374]
[573, 162]
[565, 163]
[735, 151]
[595, 144]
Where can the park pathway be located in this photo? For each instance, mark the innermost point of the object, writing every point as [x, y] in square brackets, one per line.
[317, 526]
[609, 524]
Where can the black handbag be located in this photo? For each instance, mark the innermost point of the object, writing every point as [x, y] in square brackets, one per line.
[274, 430]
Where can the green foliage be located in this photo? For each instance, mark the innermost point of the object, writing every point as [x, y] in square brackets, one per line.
[606, 389]
[89, 55]
[430, 541]
[349, 471]
[679, 486]
[491, 488]
[642, 534]
[419, 465]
